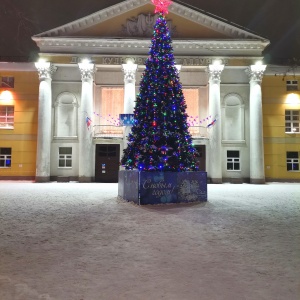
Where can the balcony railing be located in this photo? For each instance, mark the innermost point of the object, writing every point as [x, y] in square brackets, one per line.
[112, 131]
[107, 131]
[198, 132]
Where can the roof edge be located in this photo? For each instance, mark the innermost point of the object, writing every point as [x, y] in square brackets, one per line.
[192, 13]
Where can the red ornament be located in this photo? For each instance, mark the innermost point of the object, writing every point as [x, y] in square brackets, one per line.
[154, 123]
[161, 6]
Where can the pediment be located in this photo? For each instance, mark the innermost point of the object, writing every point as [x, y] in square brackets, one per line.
[127, 27]
[139, 22]
[135, 19]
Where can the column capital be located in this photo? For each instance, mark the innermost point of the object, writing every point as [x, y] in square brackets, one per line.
[45, 69]
[87, 71]
[178, 67]
[129, 70]
[256, 72]
[214, 72]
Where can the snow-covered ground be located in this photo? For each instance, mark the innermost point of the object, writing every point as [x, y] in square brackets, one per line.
[77, 241]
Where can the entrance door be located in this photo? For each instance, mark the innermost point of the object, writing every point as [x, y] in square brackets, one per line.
[107, 162]
[201, 157]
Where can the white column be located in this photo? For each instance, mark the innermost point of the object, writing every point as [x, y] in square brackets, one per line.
[45, 71]
[129, 70]
[215, 142]
[86, 153]
[257, 171]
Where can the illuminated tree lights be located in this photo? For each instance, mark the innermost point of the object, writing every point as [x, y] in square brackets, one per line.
[159, 139]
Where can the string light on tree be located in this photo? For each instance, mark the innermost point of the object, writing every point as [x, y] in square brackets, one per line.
[159, 138]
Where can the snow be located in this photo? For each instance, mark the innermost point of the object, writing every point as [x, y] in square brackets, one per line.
[77, 241]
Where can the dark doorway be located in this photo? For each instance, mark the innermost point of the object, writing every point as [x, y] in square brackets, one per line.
[107, 162]
[201, 157]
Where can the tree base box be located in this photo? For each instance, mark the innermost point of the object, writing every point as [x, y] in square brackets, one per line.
[162, 187]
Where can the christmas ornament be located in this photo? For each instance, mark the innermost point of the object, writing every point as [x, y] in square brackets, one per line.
[161, 6]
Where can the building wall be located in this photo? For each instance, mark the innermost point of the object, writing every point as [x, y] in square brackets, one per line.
[236, 83]
[276, 99]
[22, 138]
[66, 84]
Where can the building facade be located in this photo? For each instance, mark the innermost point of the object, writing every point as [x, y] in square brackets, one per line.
[89, 74]
[18, 120]
[281, 112]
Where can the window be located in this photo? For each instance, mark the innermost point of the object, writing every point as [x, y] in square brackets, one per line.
[107, 150]
[292, 85]
[233, 160]
[292, 161]
[5, 157]
[6, 116]
[111, 106]
[7, 82]
[292, 121]
[191, 97]
[65, 157]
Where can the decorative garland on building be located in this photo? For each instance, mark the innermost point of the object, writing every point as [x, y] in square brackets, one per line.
[192, 121]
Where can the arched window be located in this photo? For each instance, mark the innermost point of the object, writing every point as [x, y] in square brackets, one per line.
[65, 112]
[233, 128]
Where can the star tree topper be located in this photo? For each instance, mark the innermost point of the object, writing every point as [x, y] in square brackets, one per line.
[161, 6]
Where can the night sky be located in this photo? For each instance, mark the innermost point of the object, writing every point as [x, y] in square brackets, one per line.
[276, 20]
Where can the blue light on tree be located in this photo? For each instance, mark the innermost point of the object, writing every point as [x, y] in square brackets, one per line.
[159, 138]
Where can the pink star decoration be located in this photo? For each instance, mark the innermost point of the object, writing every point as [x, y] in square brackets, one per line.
[161, 6]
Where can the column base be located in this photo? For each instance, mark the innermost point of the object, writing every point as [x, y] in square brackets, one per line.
[41, 179]
[216, 180]
[83, 179]
[257, 181]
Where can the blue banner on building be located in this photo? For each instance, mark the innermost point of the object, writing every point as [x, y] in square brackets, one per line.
[126, 119]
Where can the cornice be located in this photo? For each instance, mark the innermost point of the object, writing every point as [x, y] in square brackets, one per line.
[282, 70]
[141, 46]
[21, 66]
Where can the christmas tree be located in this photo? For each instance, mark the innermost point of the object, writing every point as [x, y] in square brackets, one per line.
[159, 138]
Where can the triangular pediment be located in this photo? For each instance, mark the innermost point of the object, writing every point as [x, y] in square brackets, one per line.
[134, 18]
[127, 27]
[139, 23]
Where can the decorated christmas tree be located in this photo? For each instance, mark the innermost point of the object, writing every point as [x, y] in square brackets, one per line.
[159, 138]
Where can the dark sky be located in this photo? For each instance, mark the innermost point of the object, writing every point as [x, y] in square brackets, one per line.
[277, 20]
